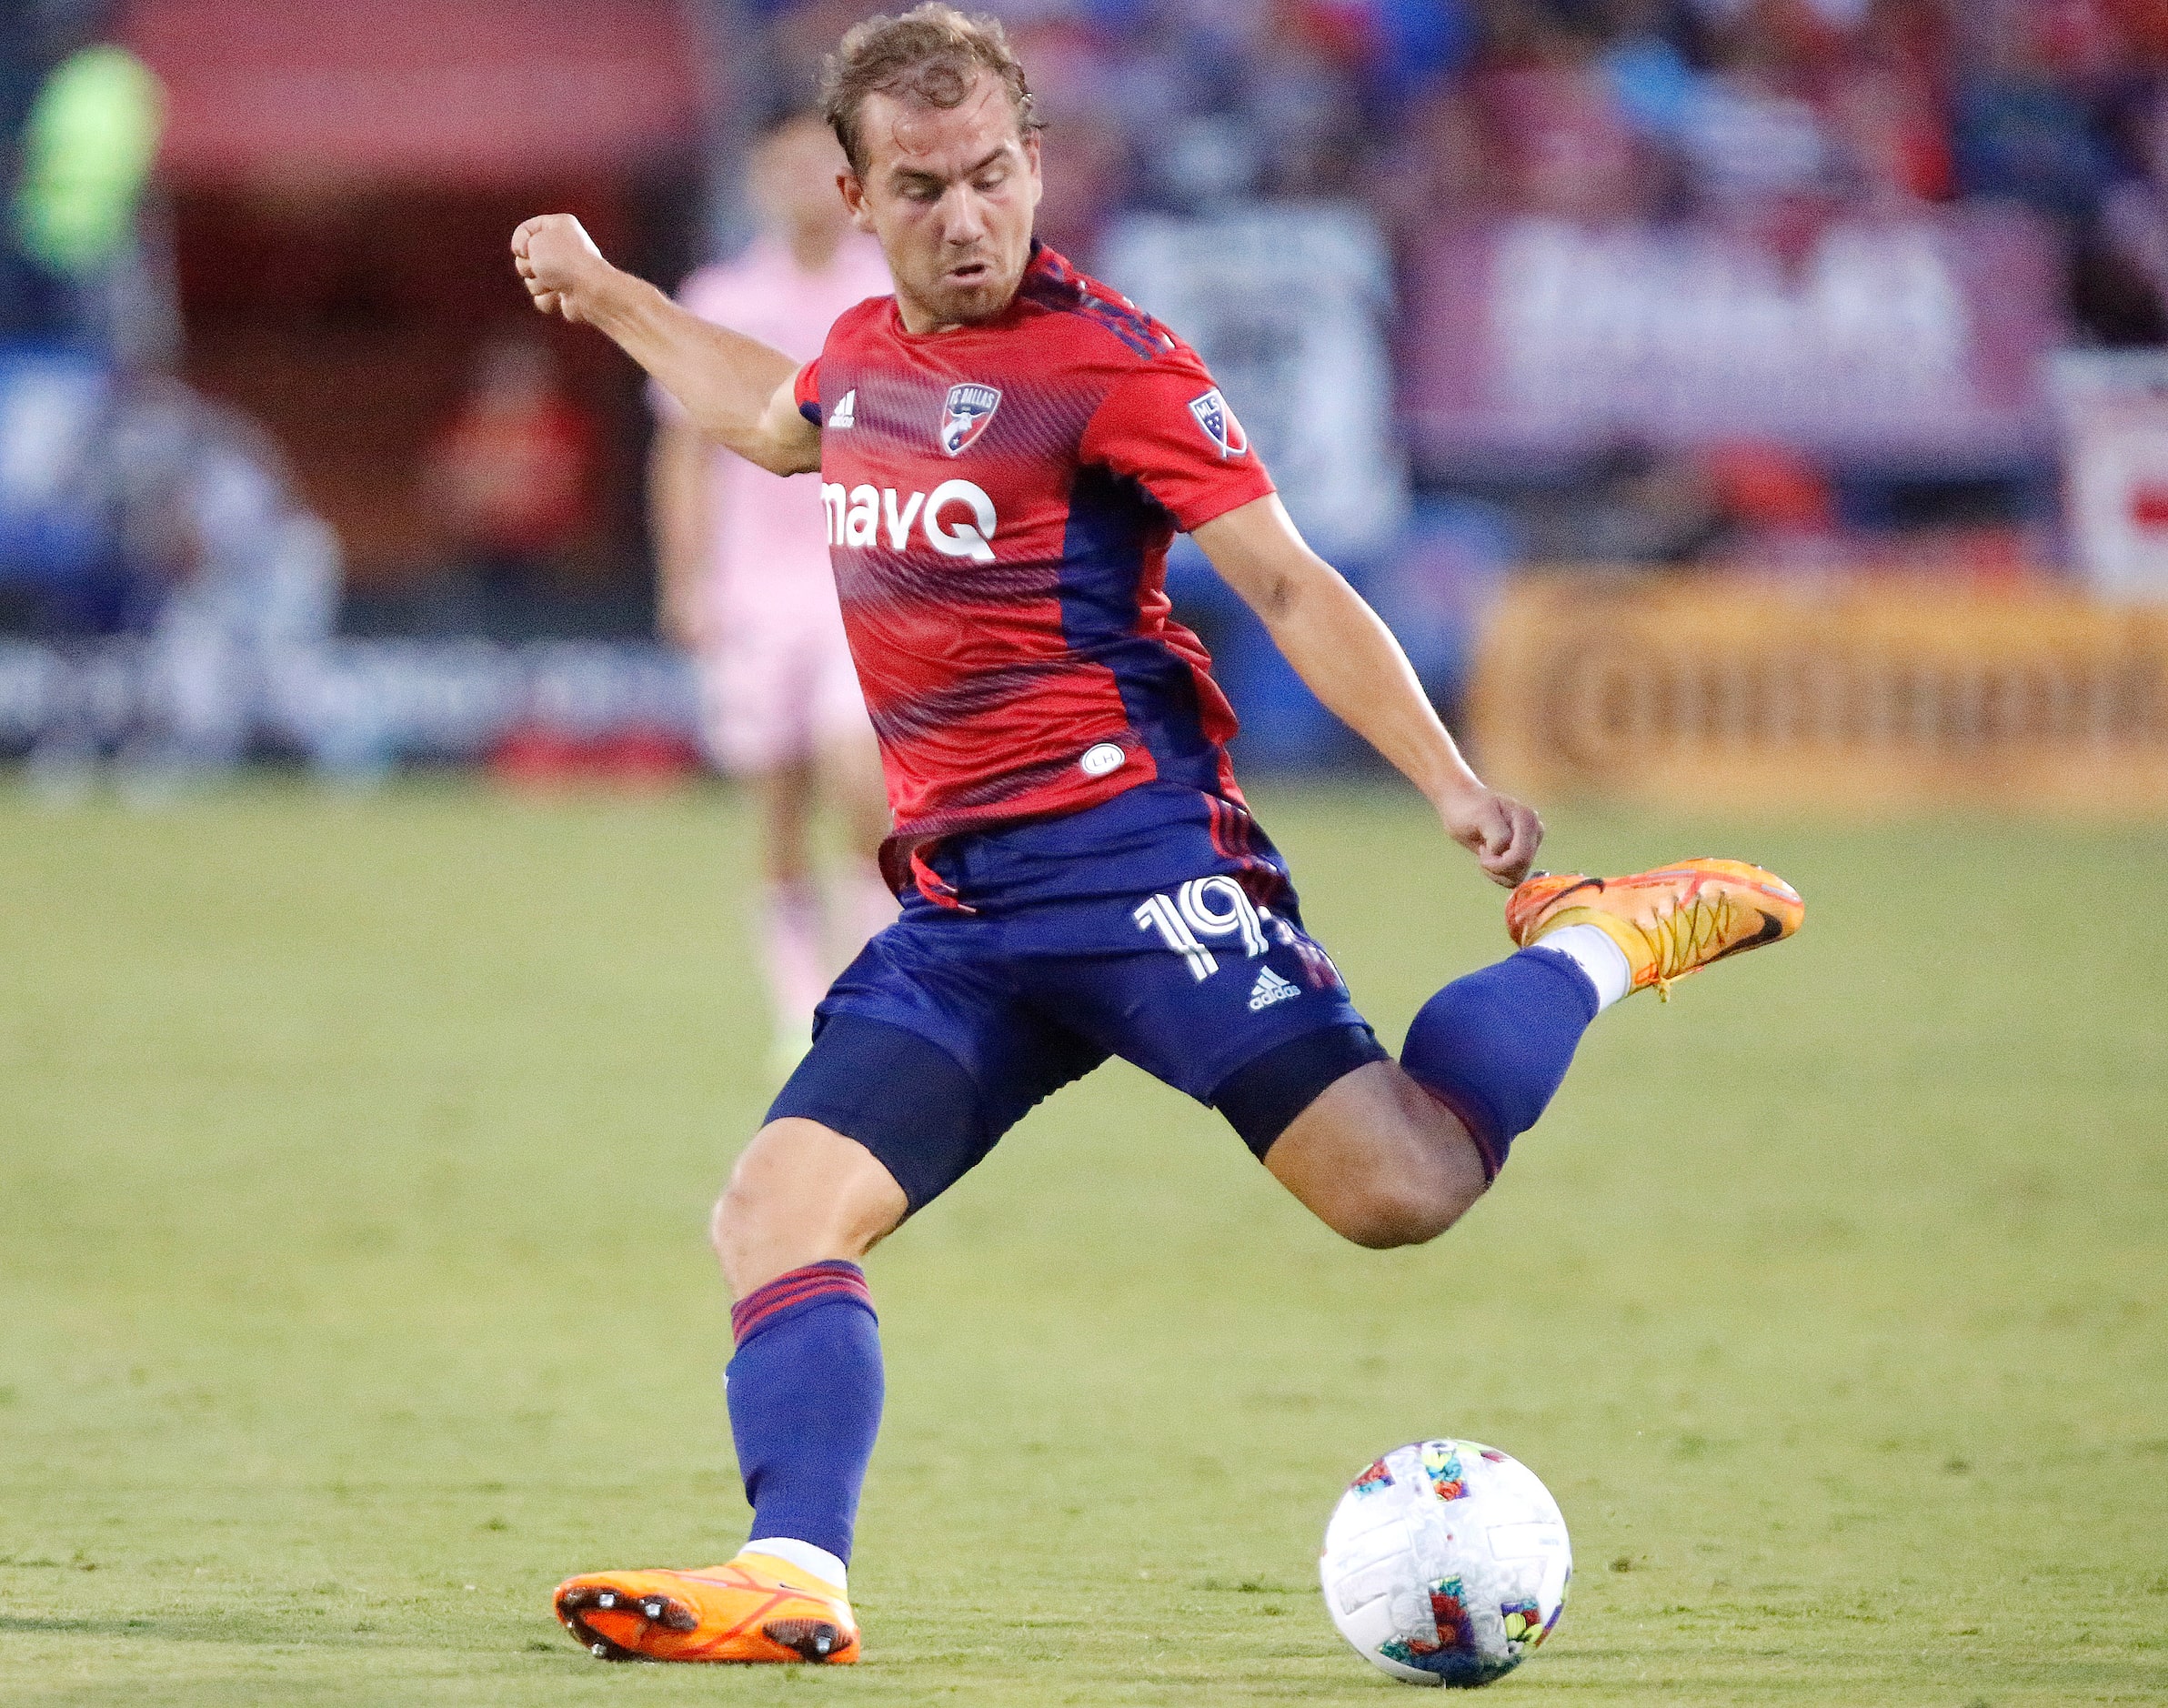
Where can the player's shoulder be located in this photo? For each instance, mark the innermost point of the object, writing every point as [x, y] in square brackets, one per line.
[1096, 322]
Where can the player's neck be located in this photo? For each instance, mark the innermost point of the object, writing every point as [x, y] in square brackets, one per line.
[920, 320]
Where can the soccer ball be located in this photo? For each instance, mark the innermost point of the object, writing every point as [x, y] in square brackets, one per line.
[1446, 1563]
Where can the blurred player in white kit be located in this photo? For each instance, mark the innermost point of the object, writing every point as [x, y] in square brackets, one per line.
[748, 588]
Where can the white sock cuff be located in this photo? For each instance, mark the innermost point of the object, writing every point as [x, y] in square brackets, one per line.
[1601, 961]
[804, 1555]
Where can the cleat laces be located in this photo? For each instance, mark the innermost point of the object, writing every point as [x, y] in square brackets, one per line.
[1684, 938]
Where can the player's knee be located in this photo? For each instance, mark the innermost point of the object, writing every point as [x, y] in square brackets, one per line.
[1410, 1201]
[800, 1194]
[1395, 1213]
[755, 1204]
[721, 1221]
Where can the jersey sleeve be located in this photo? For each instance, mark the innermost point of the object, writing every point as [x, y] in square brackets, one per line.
[1167, 426]
[807, 390]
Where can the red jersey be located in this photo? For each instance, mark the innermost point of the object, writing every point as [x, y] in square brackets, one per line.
[999, 501]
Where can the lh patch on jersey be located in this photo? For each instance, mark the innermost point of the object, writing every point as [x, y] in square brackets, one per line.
[1218, 423]
[970, 407]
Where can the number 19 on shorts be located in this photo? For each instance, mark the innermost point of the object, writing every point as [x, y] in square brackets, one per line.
[1204, 908]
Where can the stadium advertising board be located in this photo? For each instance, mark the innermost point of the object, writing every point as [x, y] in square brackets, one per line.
[1732, 692]
[1918, 340]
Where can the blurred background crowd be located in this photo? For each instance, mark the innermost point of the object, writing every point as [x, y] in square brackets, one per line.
[1816, 288]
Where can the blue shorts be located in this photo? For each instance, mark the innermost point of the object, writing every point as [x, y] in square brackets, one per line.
[1160, 927]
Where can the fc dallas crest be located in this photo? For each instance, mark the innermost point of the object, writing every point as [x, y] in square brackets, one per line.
[970, 407]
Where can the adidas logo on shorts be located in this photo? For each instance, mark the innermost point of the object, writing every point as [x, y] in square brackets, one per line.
[1272, 988]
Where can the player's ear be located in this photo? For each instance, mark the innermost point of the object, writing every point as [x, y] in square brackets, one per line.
[852, 188]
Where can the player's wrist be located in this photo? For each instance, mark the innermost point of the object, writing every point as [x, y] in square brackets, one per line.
[1453, 788]
[608, 298]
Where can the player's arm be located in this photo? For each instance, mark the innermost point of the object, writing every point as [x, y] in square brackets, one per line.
[681, 525]
[1342, 649]
[736, 389]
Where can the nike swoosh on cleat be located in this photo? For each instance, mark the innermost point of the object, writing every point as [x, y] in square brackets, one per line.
[1773, 928]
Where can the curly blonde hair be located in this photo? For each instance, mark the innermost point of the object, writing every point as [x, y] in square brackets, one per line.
[931, 55]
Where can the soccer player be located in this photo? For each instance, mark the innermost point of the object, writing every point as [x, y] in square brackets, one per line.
[1006, 449]
[745, 586]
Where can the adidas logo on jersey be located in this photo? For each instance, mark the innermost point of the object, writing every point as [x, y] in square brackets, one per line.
[846, 412]
[1272, 988]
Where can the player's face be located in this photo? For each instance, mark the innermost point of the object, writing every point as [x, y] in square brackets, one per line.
[951, 192]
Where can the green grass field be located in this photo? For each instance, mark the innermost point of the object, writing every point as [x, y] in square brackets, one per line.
[355, 1156]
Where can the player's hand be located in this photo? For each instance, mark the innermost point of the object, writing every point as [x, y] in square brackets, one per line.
[563, 270]
[1502, 834]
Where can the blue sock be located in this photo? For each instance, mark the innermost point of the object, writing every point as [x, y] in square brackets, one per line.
[805, 1391]
[1493, 1047]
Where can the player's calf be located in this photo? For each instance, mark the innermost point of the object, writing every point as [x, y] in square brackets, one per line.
[1495, 1046]
[805, 1387]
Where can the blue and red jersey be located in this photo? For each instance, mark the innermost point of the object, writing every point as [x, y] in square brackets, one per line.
[999, 501]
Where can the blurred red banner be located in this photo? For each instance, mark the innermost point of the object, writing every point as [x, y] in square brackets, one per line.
[1916, 340]
[455, 92]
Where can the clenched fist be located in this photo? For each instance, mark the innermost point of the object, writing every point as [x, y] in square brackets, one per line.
[563, 270]
[1502, 834]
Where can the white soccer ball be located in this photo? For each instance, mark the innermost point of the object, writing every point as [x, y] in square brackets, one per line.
[1446, 1563]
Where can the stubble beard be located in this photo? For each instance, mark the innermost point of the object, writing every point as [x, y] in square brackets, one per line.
[968, 305]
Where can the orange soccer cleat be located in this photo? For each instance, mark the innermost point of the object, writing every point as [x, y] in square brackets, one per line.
[1672, 921]
[757, 1608]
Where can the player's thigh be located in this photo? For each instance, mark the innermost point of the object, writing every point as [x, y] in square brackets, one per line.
[1378, 1159]
[801, 1193]
[787, 794]
[924, 1053]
